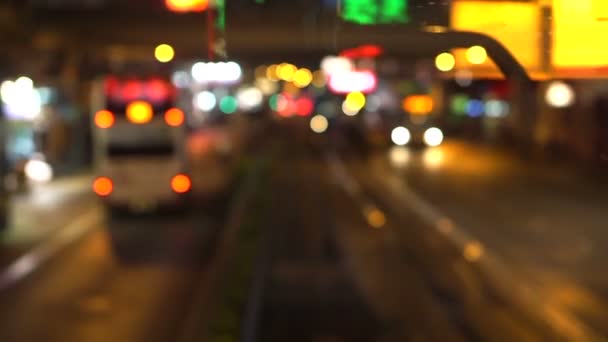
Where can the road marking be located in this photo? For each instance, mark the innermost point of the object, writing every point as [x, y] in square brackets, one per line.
[38, 255]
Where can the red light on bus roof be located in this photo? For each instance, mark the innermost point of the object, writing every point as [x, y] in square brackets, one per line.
[157, 90]
[132, 90]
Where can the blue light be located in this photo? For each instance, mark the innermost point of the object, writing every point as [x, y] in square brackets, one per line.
[475, 108]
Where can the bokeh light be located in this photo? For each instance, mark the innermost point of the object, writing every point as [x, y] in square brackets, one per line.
[286, 71]
[376, 218]
[38, 170]
[164, 53]
[349, 111]
[476, 55]
[319, 123]
[400, 136]
[104, 119]
[249, 98]
[475, 108]
[139, 112]
[559, 95]
[459, 104]
[418, 104]
[433, 137]
[302, 78]
[187, 5]
[497, 108]
[205, 101]
[355, 101]
[174, 117]
[445, 62]
[304, 106]
[228, 104]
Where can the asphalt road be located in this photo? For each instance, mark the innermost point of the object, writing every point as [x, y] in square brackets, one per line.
[536, 229]
[457, 243]
[349, 263]
[124, 279]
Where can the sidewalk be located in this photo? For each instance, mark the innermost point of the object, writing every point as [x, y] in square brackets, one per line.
[34, 215]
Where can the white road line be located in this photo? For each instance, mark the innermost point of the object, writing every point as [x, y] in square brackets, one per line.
[37, 256]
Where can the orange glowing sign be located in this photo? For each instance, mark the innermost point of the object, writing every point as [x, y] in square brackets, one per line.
[187, 5]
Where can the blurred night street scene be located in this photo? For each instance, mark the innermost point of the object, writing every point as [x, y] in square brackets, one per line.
[303, 170]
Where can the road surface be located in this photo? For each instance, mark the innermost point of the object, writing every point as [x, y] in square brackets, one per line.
[458, 243]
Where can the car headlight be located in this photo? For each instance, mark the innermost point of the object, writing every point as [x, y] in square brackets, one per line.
[400, 136]
[433, 137]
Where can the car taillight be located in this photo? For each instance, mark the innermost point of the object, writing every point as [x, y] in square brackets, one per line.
[174, 117]
[181, 184]
[139, 112]
[104, 119]
[103, 186]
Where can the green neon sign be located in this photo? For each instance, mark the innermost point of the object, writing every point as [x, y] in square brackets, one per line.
[370, 12]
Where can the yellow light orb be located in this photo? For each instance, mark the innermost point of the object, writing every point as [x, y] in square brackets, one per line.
[355, 100]
[476, 54]
[302, 78]
[445, 62]
[286, 71]
[164, 53]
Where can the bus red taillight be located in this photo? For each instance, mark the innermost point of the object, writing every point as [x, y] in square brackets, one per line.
[103, 186]
[181, 184]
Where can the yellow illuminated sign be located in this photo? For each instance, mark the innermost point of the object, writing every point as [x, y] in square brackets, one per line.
[579, 33]
[514, 24]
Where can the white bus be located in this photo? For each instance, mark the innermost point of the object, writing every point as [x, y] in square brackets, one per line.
[139, 144]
